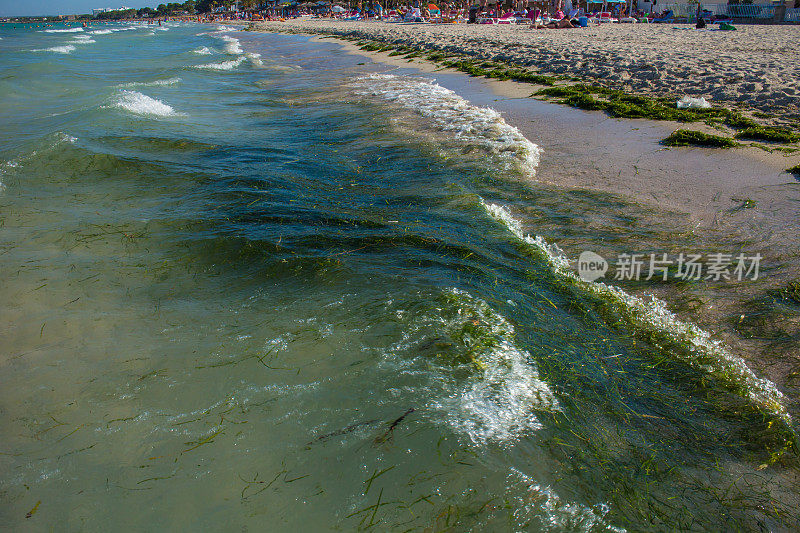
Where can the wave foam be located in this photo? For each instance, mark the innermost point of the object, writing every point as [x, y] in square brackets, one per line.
[66, 49]
[141, 104]
[67, 30]
[225, 65]
[233, 45]
[489, 389]
[704, 353]
[481, 126]
[154, 83]
[101, 32]
[203, 51]
[542, 504]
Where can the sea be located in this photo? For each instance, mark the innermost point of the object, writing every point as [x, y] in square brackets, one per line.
[251, 282]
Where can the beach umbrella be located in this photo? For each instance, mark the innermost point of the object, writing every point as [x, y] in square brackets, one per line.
[433, 7]
[338, 9]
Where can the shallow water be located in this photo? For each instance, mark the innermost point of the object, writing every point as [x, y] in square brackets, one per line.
[249, 280]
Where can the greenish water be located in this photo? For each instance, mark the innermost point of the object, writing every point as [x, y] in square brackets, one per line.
[287, 291]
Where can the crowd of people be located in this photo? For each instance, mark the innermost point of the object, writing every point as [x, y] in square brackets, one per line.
[484, 11]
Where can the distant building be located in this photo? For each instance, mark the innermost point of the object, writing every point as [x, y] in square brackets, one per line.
[108, 9]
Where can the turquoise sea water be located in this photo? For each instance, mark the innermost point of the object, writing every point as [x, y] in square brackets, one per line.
[252, 283]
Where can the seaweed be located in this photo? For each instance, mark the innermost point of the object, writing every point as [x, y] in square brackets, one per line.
[791, 292]
[795, 171]
[33, 511]
[744, 203]
[622, 105]
[389, 432]
[769, 133]
[773, 149]
[698, 138]
[205, 440]
[737, 121]
[343, 431]
[584, 101]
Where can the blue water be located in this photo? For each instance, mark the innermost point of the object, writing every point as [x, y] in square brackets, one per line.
[251, 282]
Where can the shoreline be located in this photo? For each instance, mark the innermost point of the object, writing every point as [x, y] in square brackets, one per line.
[727, 68]
[703, 189]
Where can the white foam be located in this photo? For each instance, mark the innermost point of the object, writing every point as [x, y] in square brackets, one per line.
[66, 49]
[101, 32]
[705, 354]
[155, 83]
[542, 504]
[141, 104]
[82, 41]
[472, 125]
[233, 46]
[203, 51]
[500, 401]
[67, 30]
[225, 65]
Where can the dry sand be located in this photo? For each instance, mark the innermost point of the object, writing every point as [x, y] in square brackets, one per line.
[756, 65]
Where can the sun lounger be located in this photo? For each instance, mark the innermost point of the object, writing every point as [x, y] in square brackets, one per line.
[668, 17]
[508, 18]
[605, 16]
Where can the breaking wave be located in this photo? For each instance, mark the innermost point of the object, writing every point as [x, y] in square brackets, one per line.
[67, 30]
[703, 353]
[141, 104]
[476, 126]
[66, 49]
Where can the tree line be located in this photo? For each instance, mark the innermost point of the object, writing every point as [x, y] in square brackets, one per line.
[173, 9]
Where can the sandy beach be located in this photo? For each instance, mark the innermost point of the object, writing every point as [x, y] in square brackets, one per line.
[756, 65]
